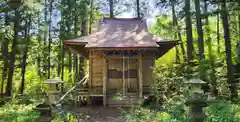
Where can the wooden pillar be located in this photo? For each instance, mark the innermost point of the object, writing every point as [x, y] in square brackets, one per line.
[90, 64]
[140, 75]
[90, 69]
[123, 78]
[104, 82]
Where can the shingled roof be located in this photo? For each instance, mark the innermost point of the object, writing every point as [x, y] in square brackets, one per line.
[120, 33]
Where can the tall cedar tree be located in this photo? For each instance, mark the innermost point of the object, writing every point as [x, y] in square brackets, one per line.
[9, 87]
[39, 46]
[138, 9]
[84, 33]
[199, 30]
[69, 34]
[111, 8]
[49, 38]
[230, 76]
[174, 19]
[218, 33]
[62, 37]
[189, 31]
[75, 14]
[25, 53]
[213, 77]
[45, 36]
[5, 54]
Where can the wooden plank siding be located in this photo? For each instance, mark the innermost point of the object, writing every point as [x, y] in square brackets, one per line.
[148, 61]
[147, 66]
[97, 68]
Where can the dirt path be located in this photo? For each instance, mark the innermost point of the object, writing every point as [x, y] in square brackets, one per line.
[100, 114]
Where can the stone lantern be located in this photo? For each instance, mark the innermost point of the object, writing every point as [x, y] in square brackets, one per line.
[53, 92]
[196, 100]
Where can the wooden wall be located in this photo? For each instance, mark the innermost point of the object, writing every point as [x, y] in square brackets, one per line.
[147, 65]
[96, 63]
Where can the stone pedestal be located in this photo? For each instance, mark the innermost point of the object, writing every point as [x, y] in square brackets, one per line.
[196, 110]
[53, 93]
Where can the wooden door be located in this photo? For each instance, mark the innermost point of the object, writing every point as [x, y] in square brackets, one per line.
[131, 75]
[115, 81]
[122, 76]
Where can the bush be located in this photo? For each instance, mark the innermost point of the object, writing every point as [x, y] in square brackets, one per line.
[138, 114]
[223, 112]
[219, 111]
[18, 113]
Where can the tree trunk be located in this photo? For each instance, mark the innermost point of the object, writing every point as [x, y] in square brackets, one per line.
[5, 62]
[62, 60]
[218, 34]
[25, 53]
[75, 68]
[62, 38]
[239, 26]
[238, 43]
[230, 76]
[81, 68]
[199, 30]
[85, 22]
[213, 77]
[209, 42]
[45, 36]
[174, 19]
[111, 8]
[69, 62]
[138, 10]
[5, 54]
[9, 89]
[39, 47]
[76, 35]
[49, 38]
[69, 35]
[189, 31]
[179, 34]
[84, 33]
[91, 16]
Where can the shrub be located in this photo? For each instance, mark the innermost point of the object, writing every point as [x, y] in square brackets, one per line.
[139, 114]
[18, 113]
[223, 112]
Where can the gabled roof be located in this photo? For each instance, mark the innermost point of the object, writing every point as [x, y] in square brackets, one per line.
[120, 33]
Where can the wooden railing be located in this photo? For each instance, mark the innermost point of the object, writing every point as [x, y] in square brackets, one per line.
[83, 82]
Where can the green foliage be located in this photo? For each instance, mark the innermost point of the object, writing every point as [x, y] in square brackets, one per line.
[18, 113]
[169, 80]
[163, 27]
[216, 112]
[69, 118]
[175, 114]
[223, 112]
[35, 84]
[138, 114]
[57, 119]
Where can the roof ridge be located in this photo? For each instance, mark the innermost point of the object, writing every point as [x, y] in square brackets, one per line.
[107, 18]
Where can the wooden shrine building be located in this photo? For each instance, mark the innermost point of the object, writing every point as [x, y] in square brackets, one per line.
[121, 57]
